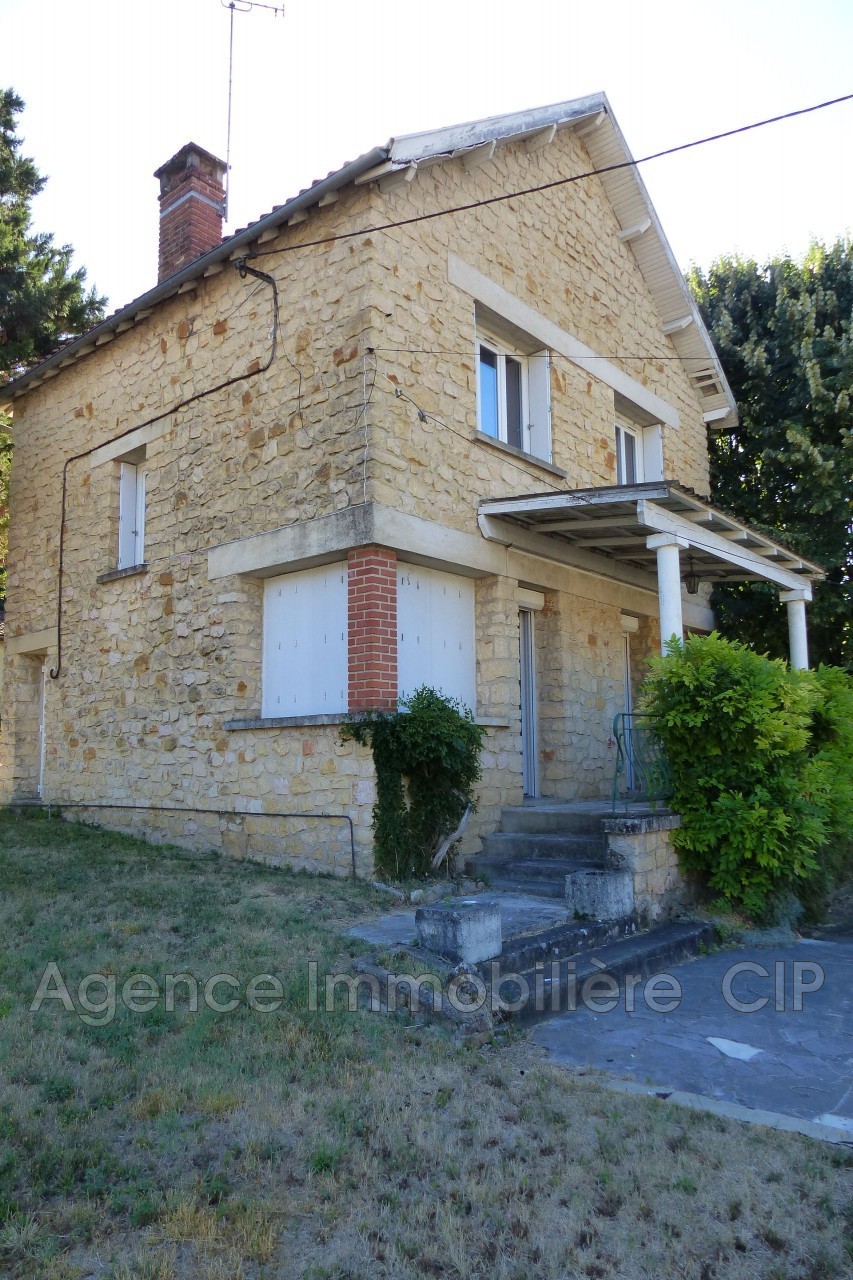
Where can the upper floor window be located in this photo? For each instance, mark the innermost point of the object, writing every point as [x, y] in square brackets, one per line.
[629, 455]
[513, 396]
[131, 515]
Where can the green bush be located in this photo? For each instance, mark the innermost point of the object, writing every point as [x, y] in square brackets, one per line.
[829, 774]
[760, 757]
[427, 760]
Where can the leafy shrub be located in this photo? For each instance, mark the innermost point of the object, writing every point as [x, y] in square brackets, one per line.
[830, 774]
[427, 760]
[760, 757]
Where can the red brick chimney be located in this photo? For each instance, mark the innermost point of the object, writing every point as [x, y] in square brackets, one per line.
[192, 199]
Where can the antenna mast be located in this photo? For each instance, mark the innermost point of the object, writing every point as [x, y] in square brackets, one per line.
[238, 6]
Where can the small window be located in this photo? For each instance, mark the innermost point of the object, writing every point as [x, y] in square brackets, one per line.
[131, 516]
[513, 396]
[629, 456]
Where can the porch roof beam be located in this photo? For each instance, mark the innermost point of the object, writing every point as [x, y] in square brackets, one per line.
[657, 518]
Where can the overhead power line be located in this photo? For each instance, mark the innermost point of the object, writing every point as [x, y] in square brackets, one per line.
[549, 186]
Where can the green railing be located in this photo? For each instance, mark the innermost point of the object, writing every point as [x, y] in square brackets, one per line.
[642, 772]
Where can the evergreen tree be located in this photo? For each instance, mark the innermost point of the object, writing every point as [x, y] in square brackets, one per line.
[42, 300]
[784, 332]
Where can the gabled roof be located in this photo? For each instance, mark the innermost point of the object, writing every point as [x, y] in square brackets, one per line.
[590, 117]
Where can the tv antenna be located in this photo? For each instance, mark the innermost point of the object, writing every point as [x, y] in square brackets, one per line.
[238, 6]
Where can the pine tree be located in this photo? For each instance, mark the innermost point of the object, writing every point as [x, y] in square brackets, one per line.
[42, 300]
[784, 332]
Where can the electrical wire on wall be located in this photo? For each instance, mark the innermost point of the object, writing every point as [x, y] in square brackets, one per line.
[244, 269]
[425, 418]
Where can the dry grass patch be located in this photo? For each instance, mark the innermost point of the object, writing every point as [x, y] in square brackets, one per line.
[330, 1146]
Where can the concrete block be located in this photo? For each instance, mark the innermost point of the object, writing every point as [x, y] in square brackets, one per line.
[467, 931]
[600, 895]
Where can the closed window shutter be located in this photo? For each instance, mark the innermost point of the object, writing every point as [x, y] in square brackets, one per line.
[127, 516]
[141, 477]
[435, 633]
[539, 405]
[305, 642]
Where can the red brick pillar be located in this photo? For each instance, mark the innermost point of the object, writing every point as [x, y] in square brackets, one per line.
[372, 609]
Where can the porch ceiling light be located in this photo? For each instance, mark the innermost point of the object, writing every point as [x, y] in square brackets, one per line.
[691, 578]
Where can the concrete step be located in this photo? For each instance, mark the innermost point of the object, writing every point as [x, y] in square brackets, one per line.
[545, 877]
[507, 844]
[522, 951]
[583, 818]
[642, 954]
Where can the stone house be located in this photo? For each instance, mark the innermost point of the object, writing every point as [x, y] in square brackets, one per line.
[409, 427]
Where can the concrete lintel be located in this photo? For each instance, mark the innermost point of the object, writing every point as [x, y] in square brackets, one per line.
[541, 562]
[118, 448]
[32, 641]
[526, 318]
[296, 546]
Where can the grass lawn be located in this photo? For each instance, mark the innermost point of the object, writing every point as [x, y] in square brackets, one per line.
[246, 1144]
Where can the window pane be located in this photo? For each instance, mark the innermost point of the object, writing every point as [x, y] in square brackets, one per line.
[488, 376]
[620, 464]
[630, 458]
[513, 402]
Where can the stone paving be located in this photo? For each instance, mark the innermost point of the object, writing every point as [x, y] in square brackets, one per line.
[789, 1061]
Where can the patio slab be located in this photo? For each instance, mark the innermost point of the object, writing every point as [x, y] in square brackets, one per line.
[796, 1062]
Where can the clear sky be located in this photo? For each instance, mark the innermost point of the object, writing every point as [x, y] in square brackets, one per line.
[114, 87]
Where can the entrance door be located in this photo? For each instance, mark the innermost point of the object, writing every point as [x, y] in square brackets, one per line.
[628, 703]
[42, 696]
[528, 701]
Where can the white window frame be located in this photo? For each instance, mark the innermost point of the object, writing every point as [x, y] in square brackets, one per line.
[535, 385]
[629, 445]
[648, 451]
[131, 515]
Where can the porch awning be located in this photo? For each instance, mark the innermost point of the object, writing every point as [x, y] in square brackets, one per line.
[617, 521]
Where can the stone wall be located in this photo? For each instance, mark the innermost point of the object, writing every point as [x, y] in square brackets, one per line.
[556, 251]
[160, 688]
[643, 846]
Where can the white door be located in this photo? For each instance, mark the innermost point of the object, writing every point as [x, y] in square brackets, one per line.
[628, 707]
[528, 701]
[42, 699]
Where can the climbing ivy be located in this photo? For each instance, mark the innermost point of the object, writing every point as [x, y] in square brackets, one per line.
[427, 761]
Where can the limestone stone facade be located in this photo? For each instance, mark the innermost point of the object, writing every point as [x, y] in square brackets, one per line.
[644, 847]
[320, 405]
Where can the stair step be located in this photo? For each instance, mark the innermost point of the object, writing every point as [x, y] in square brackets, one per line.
[557, 942]
[642, 954]
[543, 877]
[565, 819]
[508, 844]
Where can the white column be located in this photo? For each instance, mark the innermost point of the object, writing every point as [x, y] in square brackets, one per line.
[798, 640]
[669, 585]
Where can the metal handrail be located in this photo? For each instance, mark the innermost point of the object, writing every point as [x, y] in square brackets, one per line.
[642, 770]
